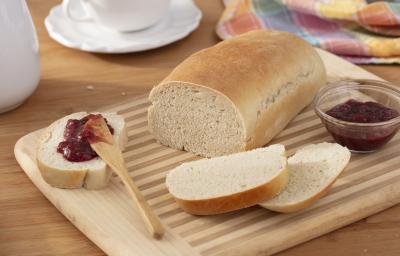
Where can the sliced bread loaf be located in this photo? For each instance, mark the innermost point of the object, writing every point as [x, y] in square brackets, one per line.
[58, 172]
[227, 183]
[236, 95]
[312, 171]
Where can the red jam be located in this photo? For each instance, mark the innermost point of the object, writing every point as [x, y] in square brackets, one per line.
[362, 112]
[75, 147]
[360, 138]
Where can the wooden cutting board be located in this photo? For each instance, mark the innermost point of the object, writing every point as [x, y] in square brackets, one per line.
[369, 184]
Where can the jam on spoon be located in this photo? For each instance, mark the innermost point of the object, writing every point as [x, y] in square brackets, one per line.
[362, 112]
[75, 147]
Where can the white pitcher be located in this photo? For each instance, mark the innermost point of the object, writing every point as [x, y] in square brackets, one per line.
[19, 54]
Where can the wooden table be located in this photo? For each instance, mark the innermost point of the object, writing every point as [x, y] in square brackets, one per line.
[30, 225]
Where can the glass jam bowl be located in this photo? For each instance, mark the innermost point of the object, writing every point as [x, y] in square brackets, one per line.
[359, 137]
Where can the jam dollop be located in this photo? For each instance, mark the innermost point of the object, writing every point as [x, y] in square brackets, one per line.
[75, 147]
[362, 112]
[362, 139]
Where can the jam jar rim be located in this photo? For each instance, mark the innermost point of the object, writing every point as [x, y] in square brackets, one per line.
[356, 83]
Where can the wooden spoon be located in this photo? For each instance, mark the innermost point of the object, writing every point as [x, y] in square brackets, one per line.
[101, 141]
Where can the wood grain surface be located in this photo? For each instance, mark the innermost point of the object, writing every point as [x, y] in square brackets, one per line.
[30, 225]
[370, 183]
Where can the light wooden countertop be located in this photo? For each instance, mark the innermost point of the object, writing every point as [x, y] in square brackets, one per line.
[30, 225]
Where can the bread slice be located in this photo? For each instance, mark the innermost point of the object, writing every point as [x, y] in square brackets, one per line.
[58, 172]
[312, 172]
[227, 183]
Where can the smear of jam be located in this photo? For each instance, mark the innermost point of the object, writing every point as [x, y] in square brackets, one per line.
[75, 147]
[357, 138]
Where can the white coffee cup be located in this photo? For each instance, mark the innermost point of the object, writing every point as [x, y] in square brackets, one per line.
[120, 15]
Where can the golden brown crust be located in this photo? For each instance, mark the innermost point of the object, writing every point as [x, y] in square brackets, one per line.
[236, 201]
[248, 70]
[62, 178]
[303, 204]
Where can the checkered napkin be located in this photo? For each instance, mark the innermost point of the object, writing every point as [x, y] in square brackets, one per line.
[359, 30]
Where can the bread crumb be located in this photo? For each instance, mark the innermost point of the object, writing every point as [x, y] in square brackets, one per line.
[90, 87]
[123, 93]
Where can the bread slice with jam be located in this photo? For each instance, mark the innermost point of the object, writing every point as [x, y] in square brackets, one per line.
[59, 172]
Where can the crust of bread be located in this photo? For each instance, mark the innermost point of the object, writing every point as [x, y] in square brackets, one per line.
[62, 178]
[236, 201]
[90, 179]
[250, 69]
[300, 205]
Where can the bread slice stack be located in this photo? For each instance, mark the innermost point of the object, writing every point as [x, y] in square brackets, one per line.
[227, 183]
[261, 176]
[58, 172]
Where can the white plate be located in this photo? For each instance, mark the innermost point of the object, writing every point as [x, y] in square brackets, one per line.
[183, 18]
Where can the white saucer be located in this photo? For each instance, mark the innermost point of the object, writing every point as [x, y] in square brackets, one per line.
[183, 18]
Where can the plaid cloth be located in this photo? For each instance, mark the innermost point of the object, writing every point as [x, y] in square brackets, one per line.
[358, 30]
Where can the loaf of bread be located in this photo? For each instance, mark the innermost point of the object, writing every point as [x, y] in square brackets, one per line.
[236, 95]
[61, 173]
[227, 183]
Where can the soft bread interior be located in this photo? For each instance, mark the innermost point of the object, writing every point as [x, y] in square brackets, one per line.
[226, 175]
[192, 118]
[311, 171]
